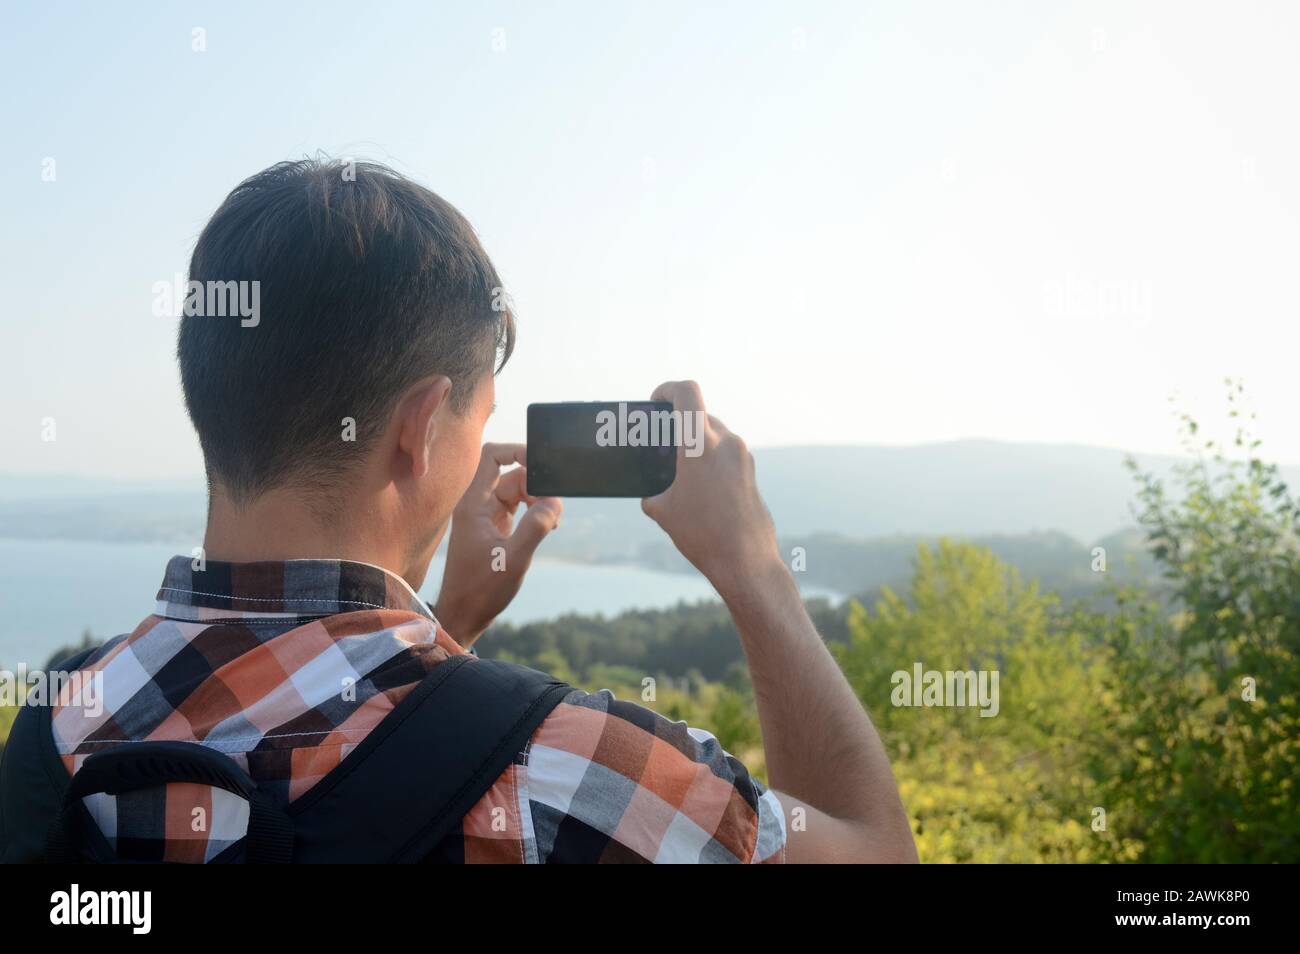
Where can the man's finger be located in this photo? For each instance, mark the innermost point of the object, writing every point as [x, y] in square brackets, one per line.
[493, 458]
[538, 520]
[512, 488]
[684, 395]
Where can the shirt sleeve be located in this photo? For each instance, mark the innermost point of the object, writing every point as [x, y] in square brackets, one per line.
[611, 781]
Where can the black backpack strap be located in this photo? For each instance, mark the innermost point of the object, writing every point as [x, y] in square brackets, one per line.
[417, 773]
[74, 837]
[32, 779]
[405, 787]
[70, 833]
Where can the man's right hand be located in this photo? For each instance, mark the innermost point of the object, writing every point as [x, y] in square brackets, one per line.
[823, 755]
[713, 512]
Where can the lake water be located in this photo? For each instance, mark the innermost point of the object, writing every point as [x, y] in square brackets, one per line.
[53, 590]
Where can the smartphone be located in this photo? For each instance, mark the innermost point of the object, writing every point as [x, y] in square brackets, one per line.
[602, 448]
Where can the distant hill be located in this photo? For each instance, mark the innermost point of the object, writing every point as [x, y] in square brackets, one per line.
[701, 636]
[971, 489]
[857, 566]
[962, 488]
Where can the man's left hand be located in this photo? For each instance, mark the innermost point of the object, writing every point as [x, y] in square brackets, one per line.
[487, 555]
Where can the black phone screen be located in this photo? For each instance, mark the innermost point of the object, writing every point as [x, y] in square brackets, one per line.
[602, 448]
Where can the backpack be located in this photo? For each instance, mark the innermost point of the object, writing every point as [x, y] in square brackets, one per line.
[392, 800]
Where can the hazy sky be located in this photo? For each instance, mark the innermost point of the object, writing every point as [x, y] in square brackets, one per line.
[852, 223]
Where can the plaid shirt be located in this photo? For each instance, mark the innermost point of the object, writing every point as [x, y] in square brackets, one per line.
[286, 667]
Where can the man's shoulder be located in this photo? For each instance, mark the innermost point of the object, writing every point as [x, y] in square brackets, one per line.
[609, 779]
[607, 726]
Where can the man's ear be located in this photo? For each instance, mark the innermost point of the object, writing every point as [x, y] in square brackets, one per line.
[417, 417]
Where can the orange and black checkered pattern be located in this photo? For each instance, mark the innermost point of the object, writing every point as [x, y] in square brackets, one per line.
[286, 667]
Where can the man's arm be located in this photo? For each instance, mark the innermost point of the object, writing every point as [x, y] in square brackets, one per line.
[823, 754]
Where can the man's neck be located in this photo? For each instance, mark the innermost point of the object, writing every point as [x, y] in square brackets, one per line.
[279, 526]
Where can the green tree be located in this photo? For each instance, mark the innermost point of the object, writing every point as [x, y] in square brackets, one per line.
[1010, 787]
[1204, 717]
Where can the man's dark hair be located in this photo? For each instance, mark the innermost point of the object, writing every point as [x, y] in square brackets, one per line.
[367, 283]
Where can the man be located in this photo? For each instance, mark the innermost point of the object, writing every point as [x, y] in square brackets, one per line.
[341, 429]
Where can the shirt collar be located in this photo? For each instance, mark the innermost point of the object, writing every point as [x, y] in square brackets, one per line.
[193, 588]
